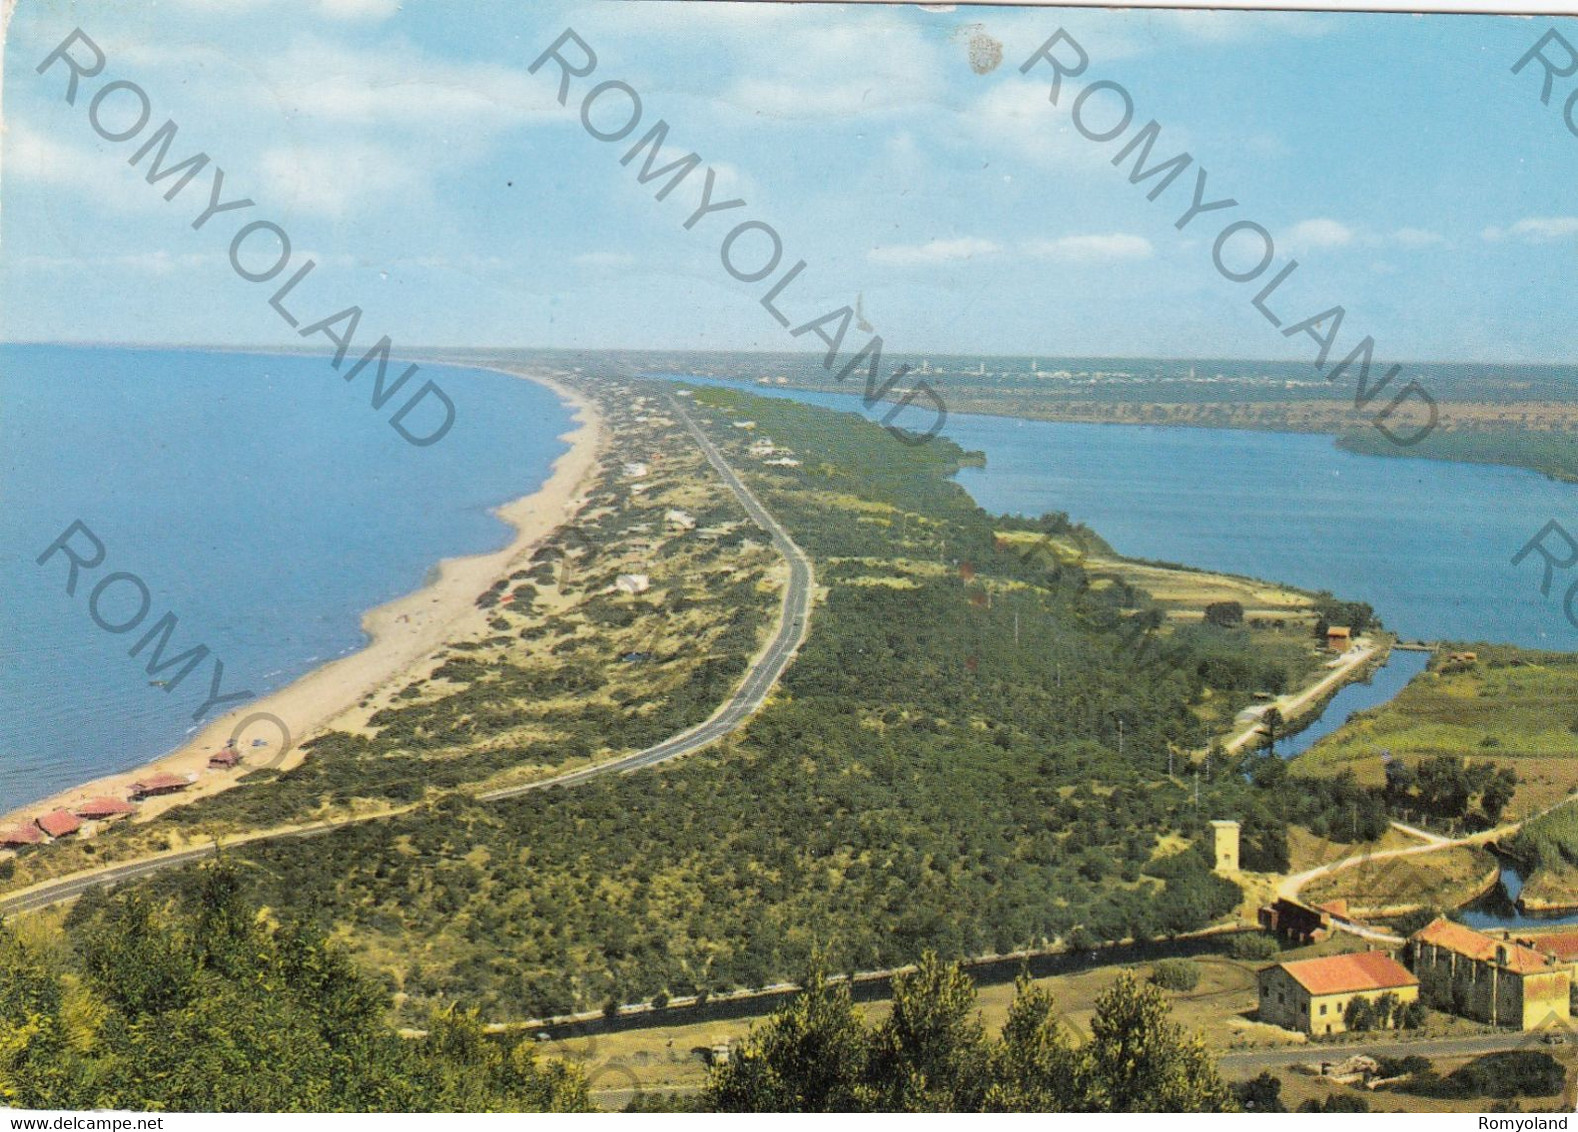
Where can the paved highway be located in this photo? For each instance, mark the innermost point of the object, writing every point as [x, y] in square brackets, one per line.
[769, 665]
[794, 622]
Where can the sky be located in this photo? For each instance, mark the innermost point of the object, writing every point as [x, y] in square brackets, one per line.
[437, 183]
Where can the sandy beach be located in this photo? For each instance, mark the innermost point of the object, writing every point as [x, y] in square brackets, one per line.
[402, 633]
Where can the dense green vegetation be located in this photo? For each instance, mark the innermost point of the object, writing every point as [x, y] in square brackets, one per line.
[932, 1055]
[1554, 454]
[1549, 841]
[1514, 1073]
[969, 755]
[203, 1006]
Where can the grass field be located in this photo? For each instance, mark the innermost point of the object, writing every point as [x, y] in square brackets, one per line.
[1511, 707]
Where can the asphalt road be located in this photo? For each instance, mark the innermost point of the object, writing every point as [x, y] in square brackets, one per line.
[794, 623]
[1250, 1062]
[764, 672]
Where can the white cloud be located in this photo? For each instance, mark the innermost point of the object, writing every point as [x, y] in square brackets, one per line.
[1416, 238]
[937, 251]
[605, 259]
[1323, 234]
[1536, 229]
[31, 156]
[334, 9]
[329, 182]
[1114, 248]
[1318, 233]
[402, 88]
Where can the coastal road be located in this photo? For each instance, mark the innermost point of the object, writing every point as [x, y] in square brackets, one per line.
[763, 673]
[793, 624]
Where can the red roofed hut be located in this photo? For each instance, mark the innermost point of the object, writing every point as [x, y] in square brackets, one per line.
[224, 758]
[59, 823]
[156, 784]
[97, 809]
[20, 836]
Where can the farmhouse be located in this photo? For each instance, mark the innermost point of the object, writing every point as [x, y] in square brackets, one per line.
[1312, 995]
[1492, 980]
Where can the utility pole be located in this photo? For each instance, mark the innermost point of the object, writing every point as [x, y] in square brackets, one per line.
[1016, 628]
[1120, 737]
[1197, 788]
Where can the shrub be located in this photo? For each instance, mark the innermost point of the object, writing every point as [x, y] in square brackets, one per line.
[1176, 974]
[1253, 946]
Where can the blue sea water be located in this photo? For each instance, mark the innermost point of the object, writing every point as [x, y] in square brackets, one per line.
[260, 499]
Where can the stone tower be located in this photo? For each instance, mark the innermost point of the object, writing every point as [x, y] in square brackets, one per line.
[1226, 846]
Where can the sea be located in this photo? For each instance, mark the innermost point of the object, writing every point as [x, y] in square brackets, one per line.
[261, 500]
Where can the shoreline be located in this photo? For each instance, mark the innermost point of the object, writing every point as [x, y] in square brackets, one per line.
[401, 633]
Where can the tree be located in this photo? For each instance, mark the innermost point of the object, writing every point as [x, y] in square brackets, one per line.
[810, 1056]
[1141, 1061]
[931, 1053]
[1360, 1015]
[1227, 614]
[1272, 721]
[1035, 1067]
[1263, 1094]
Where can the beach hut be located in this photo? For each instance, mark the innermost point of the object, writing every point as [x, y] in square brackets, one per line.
[224, 758]
[20, 836]
[100, 809]
[59, 823]
[156, 784]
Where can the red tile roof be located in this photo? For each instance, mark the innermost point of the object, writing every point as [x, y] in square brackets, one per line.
[1563, 945]
[225, 756]
[58, 823]
[1477, 945]
[1344, 974]
[21, 835]
[104, 808]
[159, 782]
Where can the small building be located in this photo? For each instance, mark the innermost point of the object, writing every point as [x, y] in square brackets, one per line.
[632, 583]
[157, 784]
[224, 758]
[101, 809]
[1312, 995]
[1339, 638]
[59, 823]
[1499, 981]
[1226, 854]
[20, 836]
[1295, 924]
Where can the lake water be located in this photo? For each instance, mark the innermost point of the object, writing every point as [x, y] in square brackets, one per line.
[1429, 544]
[260, 499]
